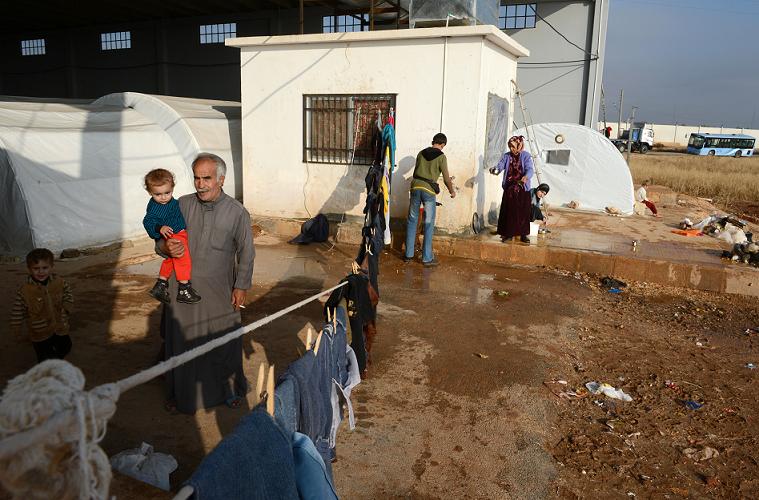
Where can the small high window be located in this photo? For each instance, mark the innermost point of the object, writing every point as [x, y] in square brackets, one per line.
[217, 33]
[517, 16]
[343, 24]
[34, 47]
[116, 40]
[557, 156]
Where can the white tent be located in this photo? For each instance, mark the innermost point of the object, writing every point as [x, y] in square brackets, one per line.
[194, 125]
[71, 172]
[579, 164]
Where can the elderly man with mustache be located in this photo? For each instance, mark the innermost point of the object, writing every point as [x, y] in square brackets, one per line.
[221, 243]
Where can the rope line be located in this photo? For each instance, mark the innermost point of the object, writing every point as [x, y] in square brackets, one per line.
[106, 395]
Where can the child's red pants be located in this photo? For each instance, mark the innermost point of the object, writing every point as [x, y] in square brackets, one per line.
[182, 266]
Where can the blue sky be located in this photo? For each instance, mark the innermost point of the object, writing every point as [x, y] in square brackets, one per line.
[690, 61]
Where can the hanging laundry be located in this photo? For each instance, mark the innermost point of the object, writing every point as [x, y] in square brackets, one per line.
[286, 405]
[361, 303]
[342, 397]
[332, 366]
[254, 462]
[311, 476]
[313, 404]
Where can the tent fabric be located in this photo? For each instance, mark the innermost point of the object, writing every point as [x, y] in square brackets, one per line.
[195, 125]
[580, 164]
[79, 172]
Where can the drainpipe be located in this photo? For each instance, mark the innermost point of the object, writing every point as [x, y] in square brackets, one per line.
[445, 70]
[599, 19]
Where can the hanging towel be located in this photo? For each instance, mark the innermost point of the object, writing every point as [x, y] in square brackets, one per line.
[255, 462]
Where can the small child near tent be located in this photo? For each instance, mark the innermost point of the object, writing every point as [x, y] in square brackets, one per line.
[44, 302]
[163, 219]
[641, 196]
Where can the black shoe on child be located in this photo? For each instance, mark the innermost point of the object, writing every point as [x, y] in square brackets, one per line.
[524, 239]
[187, 294]
[160, 291]
[431, 263]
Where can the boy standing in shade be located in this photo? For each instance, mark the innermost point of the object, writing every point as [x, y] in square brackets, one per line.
[44, 302]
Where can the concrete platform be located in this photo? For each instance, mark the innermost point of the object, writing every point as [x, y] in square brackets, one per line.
[594, 243]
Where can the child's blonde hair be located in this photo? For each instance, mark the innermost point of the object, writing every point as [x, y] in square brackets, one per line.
[158, 177]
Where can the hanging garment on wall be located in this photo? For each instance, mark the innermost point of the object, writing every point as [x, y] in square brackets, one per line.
[311, 476]
[388, 142]
[254, 462]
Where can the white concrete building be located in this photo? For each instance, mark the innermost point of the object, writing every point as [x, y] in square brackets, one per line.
[436, 78]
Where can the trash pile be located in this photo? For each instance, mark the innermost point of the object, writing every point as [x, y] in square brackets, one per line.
[725, 227]
[747, 252]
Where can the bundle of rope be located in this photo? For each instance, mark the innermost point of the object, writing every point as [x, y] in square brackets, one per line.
[68, 463]
[50, 426]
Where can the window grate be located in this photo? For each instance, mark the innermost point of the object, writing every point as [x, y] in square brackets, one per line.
[329, 125]
[517, 16]
[117, 40]
[217, 33]
[34, 47]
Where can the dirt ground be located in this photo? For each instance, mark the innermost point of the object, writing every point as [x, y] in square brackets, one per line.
[459, 402]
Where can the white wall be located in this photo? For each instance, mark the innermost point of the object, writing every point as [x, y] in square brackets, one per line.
[274, 78]
[679, 134]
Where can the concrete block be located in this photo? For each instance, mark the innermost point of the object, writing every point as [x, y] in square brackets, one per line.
[529, 255]
[467, 248]
[596, 263]
[562, 259]
[496, 252]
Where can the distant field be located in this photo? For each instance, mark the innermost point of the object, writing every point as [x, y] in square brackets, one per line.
[727, 180]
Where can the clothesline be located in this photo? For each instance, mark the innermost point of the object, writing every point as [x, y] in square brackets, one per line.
[104, 397]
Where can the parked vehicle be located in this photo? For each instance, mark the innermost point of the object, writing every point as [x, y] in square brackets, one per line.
[642, 138]
[736, 145]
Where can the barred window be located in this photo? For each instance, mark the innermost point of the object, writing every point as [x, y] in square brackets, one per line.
[116, 41]
[517, 16]
[217, 33]
[33, 47]
[338, 128]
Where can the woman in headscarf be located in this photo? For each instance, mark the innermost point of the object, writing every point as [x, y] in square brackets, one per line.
[514, 218]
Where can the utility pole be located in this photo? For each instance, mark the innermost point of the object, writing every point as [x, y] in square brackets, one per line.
[619, 120]
[603, 108]
[630, 134]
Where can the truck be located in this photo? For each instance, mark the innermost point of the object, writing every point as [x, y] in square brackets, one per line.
[642, 138]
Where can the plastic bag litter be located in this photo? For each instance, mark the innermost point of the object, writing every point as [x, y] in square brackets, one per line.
[145, 465]
[607, 390]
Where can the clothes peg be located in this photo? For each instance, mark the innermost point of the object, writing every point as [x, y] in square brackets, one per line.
[329, 316]
[318, 341]
[270, 392]
[260, 382]
[309, 338]
[185, 493]
[355, 267]
[334, 319]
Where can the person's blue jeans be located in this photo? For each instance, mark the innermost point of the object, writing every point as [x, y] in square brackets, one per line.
[419, 196]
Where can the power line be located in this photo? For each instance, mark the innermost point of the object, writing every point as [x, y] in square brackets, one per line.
[561, 34]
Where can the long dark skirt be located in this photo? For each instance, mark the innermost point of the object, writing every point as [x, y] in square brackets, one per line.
[514, 217]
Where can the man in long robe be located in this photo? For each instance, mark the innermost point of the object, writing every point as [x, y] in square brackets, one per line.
[221, 245]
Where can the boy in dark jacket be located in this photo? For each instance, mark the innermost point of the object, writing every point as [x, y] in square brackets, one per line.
[44, 302]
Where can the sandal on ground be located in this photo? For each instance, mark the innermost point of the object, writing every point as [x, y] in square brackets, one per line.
[234, 402]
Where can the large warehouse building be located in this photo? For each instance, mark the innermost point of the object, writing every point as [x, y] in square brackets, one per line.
[88, 49]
